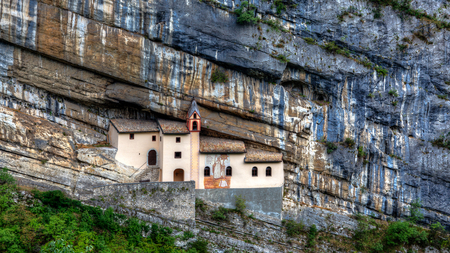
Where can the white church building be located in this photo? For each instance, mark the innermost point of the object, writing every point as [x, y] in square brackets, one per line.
[179, 152]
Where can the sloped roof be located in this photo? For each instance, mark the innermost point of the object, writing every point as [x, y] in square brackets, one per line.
[193, 108]
[260, 156]
[173, 127]
[218, 145]
[134, 126]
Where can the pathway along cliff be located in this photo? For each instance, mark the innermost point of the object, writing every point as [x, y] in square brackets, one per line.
[354, 94]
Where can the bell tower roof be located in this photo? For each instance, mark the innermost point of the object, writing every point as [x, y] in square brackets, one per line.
[193, 108]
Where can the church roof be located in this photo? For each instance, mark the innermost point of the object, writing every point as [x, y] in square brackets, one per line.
[134, 126]
[193, 108]
[173, 127]
[218, 145]
[260, 156]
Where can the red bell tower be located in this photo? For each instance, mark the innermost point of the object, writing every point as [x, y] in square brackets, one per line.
[193, 121]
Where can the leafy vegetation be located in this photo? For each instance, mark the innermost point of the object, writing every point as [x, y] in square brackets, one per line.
[350, 143]
[240, 204]
[331, 147]
[361, 152]
[220, 214]
[405, 8]
[293, 228]
[282, 58]
[59, 224]
[393, 93]
[310, 41]
[246, 13]
[311, 243]
[219, 76]
[200, 205]
[280, 6]
[380, 70]
[443, 141]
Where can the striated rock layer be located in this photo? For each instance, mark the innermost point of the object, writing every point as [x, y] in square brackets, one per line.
[67, 67]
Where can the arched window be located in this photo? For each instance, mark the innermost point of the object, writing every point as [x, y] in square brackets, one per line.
[151, 156]
[195, 115]
[268, 172]
[228, 172]
[194, 126]
[207, 172]
[254, 172]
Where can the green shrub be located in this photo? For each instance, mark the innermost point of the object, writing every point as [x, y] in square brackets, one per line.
[393, 93]
[200, 246]
[246, 14]
[416, 214]
[380, 70]
[240, 204]
[310, 41]
[200, 204]
[280, 6]
[293, 228]
[331, 147]
[282, 58]
[219, 77]
[404, 233]
[311, 243]
[442, 96]
[220, 214]
[361, 152]
[187, 235]
[394, 103]
[5, 177]
[350, 143]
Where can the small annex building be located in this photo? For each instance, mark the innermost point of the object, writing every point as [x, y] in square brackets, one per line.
[179, 153]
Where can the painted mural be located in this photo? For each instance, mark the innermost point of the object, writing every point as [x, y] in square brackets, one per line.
[218, 165]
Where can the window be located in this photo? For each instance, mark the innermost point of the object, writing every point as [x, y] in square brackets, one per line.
[207, 172]
[268, 172]
[194, 126]
[154, 138]
[195, 115]
[228, 171]
[131, 136]
[177, 154]
[254, 172]
[178, 139]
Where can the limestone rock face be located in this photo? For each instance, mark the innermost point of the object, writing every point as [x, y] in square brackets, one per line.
[67, 67]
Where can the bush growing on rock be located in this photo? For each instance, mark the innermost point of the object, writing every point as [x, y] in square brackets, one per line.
[246, 14]
[240, 204]
[219, 77]
[293, 228]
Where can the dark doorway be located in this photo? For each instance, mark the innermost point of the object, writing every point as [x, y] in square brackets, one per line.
[152, 157]
[194, 126]
[178, 175]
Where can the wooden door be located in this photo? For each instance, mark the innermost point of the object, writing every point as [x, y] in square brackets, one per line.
[178, 175]
[152, 157]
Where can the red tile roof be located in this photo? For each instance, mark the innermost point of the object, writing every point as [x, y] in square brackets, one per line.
[173, 127]
[134, 126]
[218, 145]
[260, 156]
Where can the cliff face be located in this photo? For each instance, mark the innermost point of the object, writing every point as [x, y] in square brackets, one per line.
[67, 67]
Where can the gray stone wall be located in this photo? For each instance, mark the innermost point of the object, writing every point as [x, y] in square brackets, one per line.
[263, 200]
[168, 200]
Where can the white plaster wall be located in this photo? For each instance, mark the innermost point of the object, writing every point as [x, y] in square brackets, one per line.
[169, 147]
[242, 173]
[134, 152]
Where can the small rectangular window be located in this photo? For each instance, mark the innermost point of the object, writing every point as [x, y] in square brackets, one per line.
[154, 138]
[178, 139]
[177, 154]
[131, 136]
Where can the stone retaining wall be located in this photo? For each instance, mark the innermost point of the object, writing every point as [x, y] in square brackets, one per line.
[168, 200]
[263, 200]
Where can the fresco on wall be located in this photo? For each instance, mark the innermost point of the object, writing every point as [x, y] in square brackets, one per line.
[218, 165]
